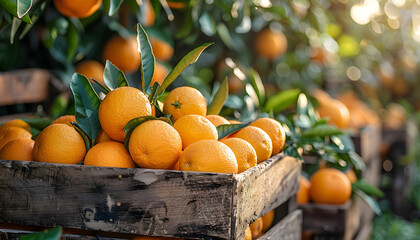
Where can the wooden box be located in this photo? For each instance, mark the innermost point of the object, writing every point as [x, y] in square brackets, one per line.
[144, 201]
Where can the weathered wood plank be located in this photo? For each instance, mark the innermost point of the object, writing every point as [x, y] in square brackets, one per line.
[140, 201]
[262, 189]
[289, 228]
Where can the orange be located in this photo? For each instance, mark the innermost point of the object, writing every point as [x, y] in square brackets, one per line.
[302, 195]
[91, 69]
[234, 122]
[59, 143]
[176, 166]
[148, 16]
[259, 140]
[109, 154]
[66, 119]
[159, 74]
[245, 154]
[275, 130]
[329, 186]
[184, 101]
[155, 238]
[248, 233]
[12, 133]
[256, 228]
[336, 112]
[351, 175]
[320, 95]
[155, 144]
[319, 56]
[208, 156]
[19, 149]
[193, 128]
[77, 8]
[16, 123]
[102, 137]
[161, 49]
[123, 53]
[119, 107]
[270, 44]
[267, 220]
[176, 5]
[217, 120]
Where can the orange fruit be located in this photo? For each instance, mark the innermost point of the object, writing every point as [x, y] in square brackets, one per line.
[66, 119]
[256, 228]
[302, 195]
[234, 122]
[12, 133]
[102, 137]
[176, 5]
[275, 130]
[16, 123]
[329, 186]
[155, 238]
[248, 233]
[159, 74]
[147, 13]
[208, 156]
[246, 157]
[59, 143]
[351, 175]
[267, 220]
[77, 8]
[20, 149]
[176, 166]
[336, 112]
[119, 107]
[270, 44]
[91, 69]
[109, 154]
[161, 49]
[217, 120]
[259, 140]
[193, 128]
[184, 101]
[155, 144]
[123, 53]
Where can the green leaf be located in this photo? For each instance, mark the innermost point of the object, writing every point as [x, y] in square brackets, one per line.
[258, 85]
[11, 7]
[50, 234]
[207, 24]
[86, 105]
[343, 141]
[369, 200]
[367, 188]
[147, 66]
[278, 10]
[114, 6]
[281, 100]
[37, 123]
[15, 27]
[227, 129]
[105, 89]
[153, 93]
[23, 7]
[357, 161]
[188, 59]
[322, 131]
[114, 77]
[219, 99]
[225, 36]
[72, 42]
[88, 142]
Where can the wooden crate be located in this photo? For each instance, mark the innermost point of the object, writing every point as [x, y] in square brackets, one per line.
[144, 201]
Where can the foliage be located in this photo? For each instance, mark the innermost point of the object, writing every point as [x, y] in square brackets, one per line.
[50, 234]
[389, 226]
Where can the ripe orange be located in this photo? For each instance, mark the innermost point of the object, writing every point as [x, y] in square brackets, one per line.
[184, 101]
[234, 122]
[59, 143]
[267, 220]
[77, 8]
[91, 69]
[102, 137]
[335, 111]
[217, 120]
[270, 44]
[147, 13]
[16, 123]
[246, 157]
[259, 140]
[66, 119]
[160, 74]
[155, 144]
[119, 107]
[20, 149]
[274, 129]
[12, 133]
[123, 53]
[193, 128]
[329, 186]
[351, 175]
[257, 227]
[176, 166]
[208, 156]
[161, 49]
[109, 154]
[176, 5]
[302, 195]
[248, 233]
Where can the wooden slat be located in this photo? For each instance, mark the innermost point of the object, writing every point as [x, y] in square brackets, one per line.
[289, 228]
[264, 188]
[140, 201]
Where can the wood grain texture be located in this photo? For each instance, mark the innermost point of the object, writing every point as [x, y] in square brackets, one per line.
[264, 188]
[289, 228]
